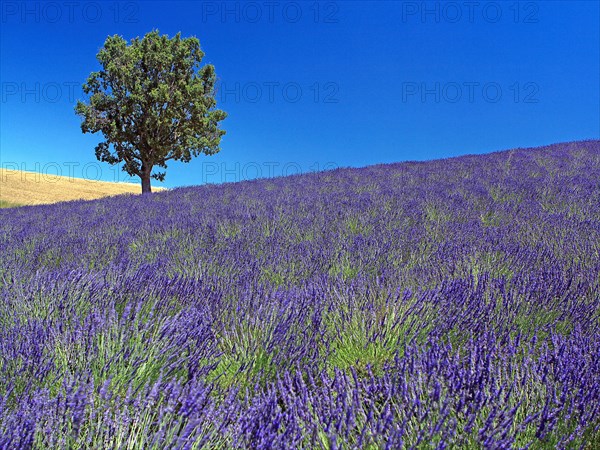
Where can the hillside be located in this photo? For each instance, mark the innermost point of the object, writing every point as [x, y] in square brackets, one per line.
[30, 188]
[444, 304]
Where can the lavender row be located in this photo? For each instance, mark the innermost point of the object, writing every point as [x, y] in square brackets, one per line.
[446, 304]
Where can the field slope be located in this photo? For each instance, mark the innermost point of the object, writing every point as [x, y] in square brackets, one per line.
[29, 188]
[443, 304]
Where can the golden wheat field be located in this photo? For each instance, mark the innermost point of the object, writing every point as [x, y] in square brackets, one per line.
[18, 188]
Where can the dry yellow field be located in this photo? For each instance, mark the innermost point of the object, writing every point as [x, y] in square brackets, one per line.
[29, 188]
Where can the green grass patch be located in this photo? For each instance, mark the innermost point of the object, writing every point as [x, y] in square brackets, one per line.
[7, 204]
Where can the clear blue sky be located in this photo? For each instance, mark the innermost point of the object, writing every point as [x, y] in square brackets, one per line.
[314, 85]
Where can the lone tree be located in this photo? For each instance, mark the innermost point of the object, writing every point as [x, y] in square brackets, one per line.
[153, 103]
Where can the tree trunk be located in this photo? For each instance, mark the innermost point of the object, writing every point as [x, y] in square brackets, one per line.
[145, 176]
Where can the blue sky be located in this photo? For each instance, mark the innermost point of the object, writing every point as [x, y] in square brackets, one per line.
[315, 85]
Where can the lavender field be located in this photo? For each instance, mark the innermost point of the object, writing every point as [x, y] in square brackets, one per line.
[444, 304]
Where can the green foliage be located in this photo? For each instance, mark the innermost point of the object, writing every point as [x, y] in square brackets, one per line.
[153, 103]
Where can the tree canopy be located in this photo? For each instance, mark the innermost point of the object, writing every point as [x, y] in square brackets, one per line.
[153, 103]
